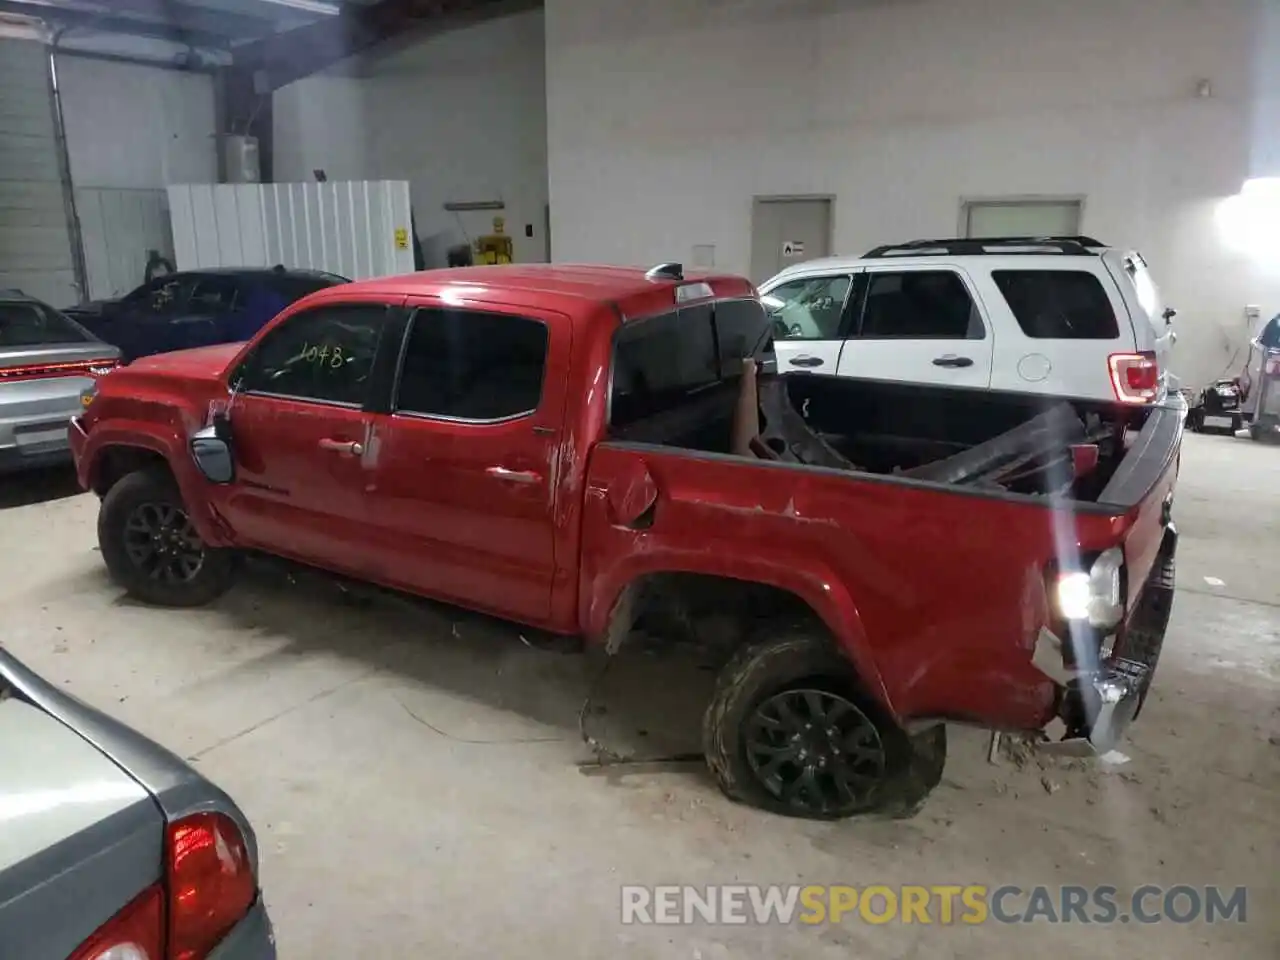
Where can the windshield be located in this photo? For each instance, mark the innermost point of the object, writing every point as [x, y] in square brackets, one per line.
[27, 324]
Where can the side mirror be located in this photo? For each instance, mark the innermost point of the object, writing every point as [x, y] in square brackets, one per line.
[212, 454]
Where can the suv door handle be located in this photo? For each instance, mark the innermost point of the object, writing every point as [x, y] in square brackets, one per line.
[951, 360]
[513, 476]
[352, 447]
[805, 361]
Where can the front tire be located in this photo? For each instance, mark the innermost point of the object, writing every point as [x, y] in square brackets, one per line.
[151, 548]
[788, 730]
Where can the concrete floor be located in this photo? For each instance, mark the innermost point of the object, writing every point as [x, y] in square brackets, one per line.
[414, 774]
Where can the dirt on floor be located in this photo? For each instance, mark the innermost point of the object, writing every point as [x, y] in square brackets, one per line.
[420, 786]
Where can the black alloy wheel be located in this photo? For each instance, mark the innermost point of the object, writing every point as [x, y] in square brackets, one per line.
[161, 542]
[814, 751]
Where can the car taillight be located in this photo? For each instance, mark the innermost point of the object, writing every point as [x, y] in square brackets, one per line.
[135, 933]
[45, 371]
[211, 883]
[1135, 377]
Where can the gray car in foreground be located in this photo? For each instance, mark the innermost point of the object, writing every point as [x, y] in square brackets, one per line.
[111, 848]
[46, 361]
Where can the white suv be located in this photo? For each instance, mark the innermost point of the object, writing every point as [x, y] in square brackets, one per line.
[1065, 316]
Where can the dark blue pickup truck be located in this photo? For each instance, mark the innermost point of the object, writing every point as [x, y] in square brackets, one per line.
[197, 308]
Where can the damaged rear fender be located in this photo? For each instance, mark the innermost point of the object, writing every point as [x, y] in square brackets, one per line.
[608, 603]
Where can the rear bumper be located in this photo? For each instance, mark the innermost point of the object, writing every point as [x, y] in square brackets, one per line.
[1099, 706]
[251, 939]
[33, 423]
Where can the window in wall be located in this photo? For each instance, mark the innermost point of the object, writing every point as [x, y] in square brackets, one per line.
[920, 304]
[324, 354]
[467, 365]
[1022, 218]
[1058, 304]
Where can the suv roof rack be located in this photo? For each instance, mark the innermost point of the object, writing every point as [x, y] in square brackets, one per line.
[977, 246]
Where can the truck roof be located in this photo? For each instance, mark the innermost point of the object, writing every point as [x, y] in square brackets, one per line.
[565, 287]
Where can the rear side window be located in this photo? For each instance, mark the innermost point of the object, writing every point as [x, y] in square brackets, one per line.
[659, 362]
[1058, 304]
[742, 330]
[295, 288]
[468, 365]
[24, 324]
[920, 305]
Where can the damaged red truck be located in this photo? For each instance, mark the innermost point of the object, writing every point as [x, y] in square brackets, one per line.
[584, 449]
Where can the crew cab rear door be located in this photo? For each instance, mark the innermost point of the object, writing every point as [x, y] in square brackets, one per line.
[918, 324]
[468, 458]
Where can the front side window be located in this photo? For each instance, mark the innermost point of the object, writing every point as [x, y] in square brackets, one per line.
[920, 305]
[808, 309]
[1058, 304]
[323, 354]
[468, 365]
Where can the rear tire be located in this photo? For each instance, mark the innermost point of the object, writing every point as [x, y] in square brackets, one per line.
[151, 549]
[788, 730]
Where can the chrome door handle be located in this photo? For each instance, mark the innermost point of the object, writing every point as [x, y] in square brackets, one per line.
[353, 447]
[513, 476]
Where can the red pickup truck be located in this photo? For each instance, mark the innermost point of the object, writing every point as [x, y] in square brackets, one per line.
[583, 449]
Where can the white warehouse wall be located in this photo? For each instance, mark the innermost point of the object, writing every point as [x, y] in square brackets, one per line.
[132, 131]
[460, 115]
[666, 117]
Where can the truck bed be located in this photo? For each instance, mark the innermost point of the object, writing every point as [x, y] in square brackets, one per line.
[981, 440]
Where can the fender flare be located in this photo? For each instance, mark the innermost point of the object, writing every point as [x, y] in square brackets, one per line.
[166, 443]
[817, 587]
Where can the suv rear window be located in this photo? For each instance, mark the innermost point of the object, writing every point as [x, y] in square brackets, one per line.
[26, 324]
[1058, 304]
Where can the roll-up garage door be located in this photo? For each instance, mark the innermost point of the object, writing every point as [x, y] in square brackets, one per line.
[35, 245]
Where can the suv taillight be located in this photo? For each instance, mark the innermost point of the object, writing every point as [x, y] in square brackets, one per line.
[135, 933]
[1135, 377]
[211, 883]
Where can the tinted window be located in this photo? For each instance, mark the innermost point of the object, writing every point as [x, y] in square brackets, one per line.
[213, 294]
[25, 324]
[808, 309]
[295, 288]
[659, 362]
[165, 294]
[742, 330]
[920, 304]
[1058, 304]
[472, 366]
[322, 354]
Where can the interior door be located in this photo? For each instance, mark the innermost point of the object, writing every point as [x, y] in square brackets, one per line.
[465, 502]
[918, 325]
[786, 231]
[809, 315]
[303, 439]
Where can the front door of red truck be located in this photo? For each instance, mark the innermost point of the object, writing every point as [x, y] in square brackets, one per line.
[302, 437]
[465, 503]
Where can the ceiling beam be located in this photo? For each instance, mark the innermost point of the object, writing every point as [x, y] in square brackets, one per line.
[281, 58]
[183, 16]
[75, 19]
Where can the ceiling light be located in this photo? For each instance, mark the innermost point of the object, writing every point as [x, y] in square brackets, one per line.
[310, 6]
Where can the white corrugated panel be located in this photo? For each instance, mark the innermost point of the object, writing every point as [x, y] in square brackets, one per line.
[356, 229]
[35, 245]
[118, 227]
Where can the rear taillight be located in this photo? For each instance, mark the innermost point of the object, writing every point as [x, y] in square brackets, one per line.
[135, 933]
[45, 371]
[1135, 377]
[211, 883]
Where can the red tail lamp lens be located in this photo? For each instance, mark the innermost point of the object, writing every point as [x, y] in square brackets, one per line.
[211, 883]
